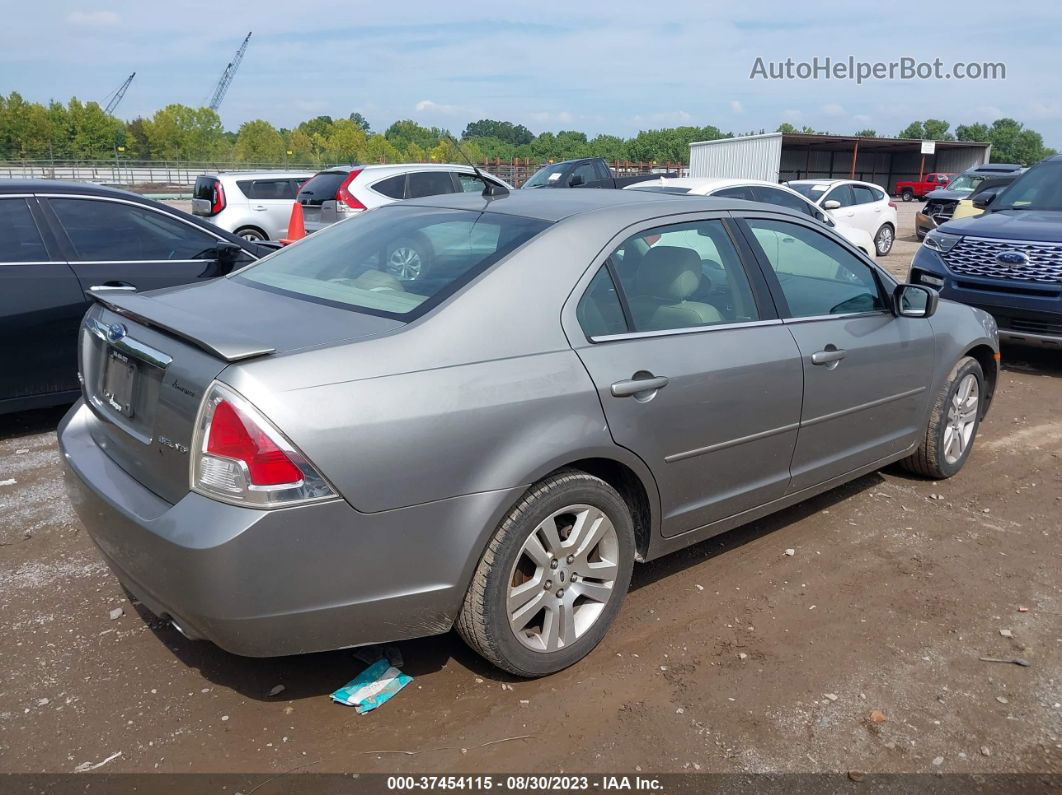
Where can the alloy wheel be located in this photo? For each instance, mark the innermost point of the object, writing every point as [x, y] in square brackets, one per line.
[884, 239]
[962, 418]
[404, 263]
[562, 578]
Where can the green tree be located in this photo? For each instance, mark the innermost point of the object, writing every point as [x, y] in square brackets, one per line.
[611, 147]
[786, 127]
[913, 130]
[406, 131]
[515, 134]
[928, 130]
[94, 134]
[378, 149]
[867, 133]
[361, 121]
[346, 142]
[318, 125]
[179, 132]
[1013, 143]
[259, 141]
[972, 132]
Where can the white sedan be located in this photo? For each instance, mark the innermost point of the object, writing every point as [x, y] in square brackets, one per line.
[854, 203]
[757, 190]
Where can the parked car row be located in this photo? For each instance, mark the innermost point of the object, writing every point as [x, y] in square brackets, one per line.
[1007, 261]
[942, 202]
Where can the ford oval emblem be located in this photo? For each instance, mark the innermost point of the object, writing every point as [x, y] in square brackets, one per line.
[1012, 259]
[115, 332]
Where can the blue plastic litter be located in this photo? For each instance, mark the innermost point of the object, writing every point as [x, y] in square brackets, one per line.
[372, 687]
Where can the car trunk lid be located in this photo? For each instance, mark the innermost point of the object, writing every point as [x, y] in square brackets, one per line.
[147, 360]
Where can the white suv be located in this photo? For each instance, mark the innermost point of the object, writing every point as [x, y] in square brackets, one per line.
[863, 205]
[253, 205]
[341, 191]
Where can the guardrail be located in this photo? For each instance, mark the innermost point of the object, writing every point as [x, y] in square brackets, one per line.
[180, 175]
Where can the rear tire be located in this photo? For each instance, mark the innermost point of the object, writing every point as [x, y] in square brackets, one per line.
[552, 578]
[251, 233]
[884, 239]
[953, 423]
[407, 259]
[907, 195]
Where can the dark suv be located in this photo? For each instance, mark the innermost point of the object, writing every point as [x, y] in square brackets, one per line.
[941, 203]
[1008, 261]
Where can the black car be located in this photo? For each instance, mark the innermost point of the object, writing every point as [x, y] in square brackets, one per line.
[59, 241]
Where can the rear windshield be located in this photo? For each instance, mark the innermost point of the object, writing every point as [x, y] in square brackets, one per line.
[812, 190]
[394, 261]
[322, 188]
[204, 187]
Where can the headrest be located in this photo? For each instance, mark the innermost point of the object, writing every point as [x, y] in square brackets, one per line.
[375, 281]
[671, 273]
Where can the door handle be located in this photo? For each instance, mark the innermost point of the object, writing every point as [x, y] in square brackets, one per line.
[831, 355]
[258, 207]
[636, 386]
[112, 286]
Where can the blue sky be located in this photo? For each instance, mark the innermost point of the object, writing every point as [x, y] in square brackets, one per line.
[612, 67]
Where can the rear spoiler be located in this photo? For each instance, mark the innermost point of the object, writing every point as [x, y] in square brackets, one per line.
[201, 331]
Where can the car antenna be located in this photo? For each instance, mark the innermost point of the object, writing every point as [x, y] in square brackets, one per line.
[490, 189]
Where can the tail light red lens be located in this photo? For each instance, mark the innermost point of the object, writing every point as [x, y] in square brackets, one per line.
[217, 198]
[343, 194]
[236, 437]
[892, 205]
[240, 457]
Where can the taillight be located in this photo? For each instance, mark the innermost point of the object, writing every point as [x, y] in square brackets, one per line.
[217, 198]
[345, 200]
[240, 457]
[892, 205]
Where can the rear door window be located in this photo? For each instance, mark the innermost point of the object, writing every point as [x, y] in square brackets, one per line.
[429, 183]
[266, 189]
[585, 172]
[392, 187]
[784, 199]
[107, 231]
[20, 239]
[864, 194]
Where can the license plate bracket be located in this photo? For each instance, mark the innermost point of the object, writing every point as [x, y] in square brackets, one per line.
[119, 382]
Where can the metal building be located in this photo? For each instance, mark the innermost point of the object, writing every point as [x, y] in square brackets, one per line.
[784, 156]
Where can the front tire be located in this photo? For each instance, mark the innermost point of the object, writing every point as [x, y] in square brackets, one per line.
[552, 578]
[953, 423]
[884, 239]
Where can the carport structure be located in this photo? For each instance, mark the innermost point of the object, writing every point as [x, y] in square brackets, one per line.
[779, 157]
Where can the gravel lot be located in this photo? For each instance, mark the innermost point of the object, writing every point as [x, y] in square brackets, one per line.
[858, 652]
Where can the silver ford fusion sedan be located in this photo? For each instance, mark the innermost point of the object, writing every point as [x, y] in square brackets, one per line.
[313, 453]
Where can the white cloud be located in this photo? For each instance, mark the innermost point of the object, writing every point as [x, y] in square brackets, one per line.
[428, 106]
[551, 117]
[1044, 110]
[94, 19]
[833, 109]
[670, 117]
[736, 106]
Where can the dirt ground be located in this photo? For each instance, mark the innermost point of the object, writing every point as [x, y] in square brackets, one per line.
[860, 651]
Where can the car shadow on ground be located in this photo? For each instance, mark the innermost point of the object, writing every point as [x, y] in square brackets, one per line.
[1033, 361]
[30, 423]
[315, 675]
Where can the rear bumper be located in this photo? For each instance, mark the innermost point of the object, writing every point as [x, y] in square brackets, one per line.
[266, 583]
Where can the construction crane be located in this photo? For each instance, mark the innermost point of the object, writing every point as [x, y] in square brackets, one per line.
[115, 97]
[227, 75]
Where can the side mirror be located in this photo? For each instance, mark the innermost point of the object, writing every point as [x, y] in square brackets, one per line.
[227, 255]
[914, 300]
[575, 181]
[984, 198]
[832, 204]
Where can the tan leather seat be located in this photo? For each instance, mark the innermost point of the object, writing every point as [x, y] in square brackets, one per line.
[667, 276]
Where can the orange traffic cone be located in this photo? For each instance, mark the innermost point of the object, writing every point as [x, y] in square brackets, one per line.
[296, 226]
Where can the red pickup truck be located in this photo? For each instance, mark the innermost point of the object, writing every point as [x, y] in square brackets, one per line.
[909, 191]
